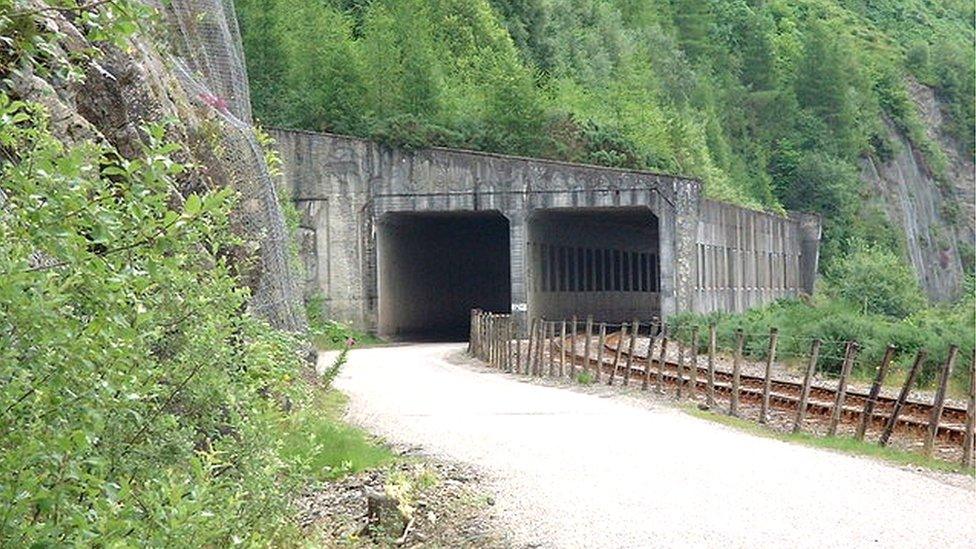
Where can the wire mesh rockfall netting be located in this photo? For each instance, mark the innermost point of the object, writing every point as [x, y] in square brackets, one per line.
[213, 73]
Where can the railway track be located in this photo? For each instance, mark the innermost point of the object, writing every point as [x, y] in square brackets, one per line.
[785, 394]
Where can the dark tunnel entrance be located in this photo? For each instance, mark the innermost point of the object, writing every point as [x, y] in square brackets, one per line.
[603, 262]
[434, 267]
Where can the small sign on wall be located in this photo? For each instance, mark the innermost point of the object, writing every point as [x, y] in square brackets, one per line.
[520, 307]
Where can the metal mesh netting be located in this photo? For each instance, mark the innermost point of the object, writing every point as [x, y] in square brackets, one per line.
[213, 73]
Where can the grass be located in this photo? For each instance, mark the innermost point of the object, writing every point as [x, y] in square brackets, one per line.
[331, 340]
[325, 445]
[845, 445]
[584, 378]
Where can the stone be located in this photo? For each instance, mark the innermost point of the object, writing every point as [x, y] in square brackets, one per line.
[384, 518]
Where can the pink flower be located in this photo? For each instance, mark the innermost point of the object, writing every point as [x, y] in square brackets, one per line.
[350, 341]
[214, 101]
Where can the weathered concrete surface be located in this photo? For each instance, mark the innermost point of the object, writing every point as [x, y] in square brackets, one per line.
[571, 469]
[345, 187]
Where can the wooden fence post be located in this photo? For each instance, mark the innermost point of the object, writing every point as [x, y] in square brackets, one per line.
[518, 349]
[540, 365]
[634, 332]
[487, 350]
[552, 349]
[650, 354]
[679, 392]
[562, 349]
[662, 358]
[482, 326]
[492, 341]
[572, 348]
[967, 444]
[490, 355]
[740, 342]
[540, 345]
[768, 379]
[483, 345]
[602, 343]
[496, 327]
[474, 314]
[499, 330]
[693, 369]
[616, 358]
[586, 343]
[475, 317]
[801, 409]
[872, 400]
[503, 343]
[535, 347]
[499, 326]
[939, 403]
[902, 397]
[710, 399]
[540, 348]
[530, 352]
[508, 343]
[845, 370]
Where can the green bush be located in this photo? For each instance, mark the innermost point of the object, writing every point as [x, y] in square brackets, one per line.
[332, 334]
[878, 282]
[835, 321]
[139, 405]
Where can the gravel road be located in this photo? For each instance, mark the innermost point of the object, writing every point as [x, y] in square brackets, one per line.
[592, 469]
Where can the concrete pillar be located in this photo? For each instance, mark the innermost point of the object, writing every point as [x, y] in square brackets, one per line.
[687, 212]
[810, 232]
[517, 227]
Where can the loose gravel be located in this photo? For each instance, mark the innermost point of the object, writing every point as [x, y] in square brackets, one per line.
[447, 501]
[596, 468]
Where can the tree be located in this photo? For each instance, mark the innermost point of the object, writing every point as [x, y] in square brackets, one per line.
[877, 281]
[823, 87]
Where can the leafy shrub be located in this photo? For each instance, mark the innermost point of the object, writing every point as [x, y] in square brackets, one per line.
[836, 321]
[332, 334]
[877, 281]
[584, 378]
[139, 404]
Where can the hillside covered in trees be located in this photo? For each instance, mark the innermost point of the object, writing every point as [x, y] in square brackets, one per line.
[770, 103]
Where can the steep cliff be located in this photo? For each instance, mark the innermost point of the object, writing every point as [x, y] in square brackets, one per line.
[934, 213]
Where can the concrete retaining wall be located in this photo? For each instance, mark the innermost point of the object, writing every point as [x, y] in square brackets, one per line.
[343, 186]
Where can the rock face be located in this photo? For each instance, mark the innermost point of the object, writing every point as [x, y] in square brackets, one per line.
[203, 87]
[937, 218]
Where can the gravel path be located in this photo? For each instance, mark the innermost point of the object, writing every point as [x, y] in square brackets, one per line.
[572, 469]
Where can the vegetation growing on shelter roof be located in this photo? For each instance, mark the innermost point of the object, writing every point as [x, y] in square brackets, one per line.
[770, 104]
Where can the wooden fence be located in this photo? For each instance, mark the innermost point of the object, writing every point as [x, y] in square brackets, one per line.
[564, 348]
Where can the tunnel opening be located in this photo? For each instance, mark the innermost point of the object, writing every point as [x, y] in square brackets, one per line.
[603, 262]
[434, 267]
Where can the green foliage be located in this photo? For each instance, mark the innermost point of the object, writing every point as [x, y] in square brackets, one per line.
[328, 334]
[139, 404]
[835, 320]
[584, 378]
[877, 282]
[323, 447]
[769, 103]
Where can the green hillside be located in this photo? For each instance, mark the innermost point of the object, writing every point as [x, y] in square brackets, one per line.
[770, 103]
